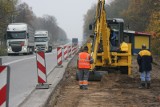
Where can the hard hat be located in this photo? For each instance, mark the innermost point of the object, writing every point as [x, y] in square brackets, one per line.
[85, 48]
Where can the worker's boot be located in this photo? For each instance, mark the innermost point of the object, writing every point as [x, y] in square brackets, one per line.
[142, 85]
[148, 84]
[85, 87]
[81, 86]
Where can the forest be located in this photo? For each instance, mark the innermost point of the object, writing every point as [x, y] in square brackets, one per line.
[138, 15]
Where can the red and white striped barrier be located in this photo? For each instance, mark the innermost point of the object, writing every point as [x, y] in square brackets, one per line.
[65, 52]
[41, 67]
[4, 86]
[59, 56]
[74, 49]
[69, 51]
[77, 48]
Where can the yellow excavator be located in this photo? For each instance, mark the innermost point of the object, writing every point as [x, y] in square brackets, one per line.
[106, 45]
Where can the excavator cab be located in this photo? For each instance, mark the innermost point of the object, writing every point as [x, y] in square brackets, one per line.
[116, 33]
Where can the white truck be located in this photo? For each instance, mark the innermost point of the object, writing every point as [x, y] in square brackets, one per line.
[20, 39]
[42, 41]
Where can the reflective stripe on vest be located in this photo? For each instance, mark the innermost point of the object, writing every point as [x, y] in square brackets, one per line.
[80, 82]
[85, 82]
[84, 60]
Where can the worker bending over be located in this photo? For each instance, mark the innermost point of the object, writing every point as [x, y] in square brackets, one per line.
[84, 64]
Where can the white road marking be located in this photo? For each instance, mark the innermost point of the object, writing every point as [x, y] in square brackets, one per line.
[8, 63]
[18, 60]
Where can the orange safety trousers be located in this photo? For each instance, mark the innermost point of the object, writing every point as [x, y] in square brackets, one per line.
[84, 82]
[83, 75]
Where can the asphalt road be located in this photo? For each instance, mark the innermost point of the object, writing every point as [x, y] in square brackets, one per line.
[23, 74]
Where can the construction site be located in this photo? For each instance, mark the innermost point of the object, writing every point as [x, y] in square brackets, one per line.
[114, 90]
[115, 64]
[116, 69]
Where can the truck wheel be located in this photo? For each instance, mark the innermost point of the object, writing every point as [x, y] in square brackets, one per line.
[32, 50]
[50, 49]
[9, 54]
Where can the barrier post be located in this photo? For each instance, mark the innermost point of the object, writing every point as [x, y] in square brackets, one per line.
[76, 50]
[73, 50]
[59, 57]
[41, 71]
[65, 53]
[4, 86]
[0, 61]
[69, 51]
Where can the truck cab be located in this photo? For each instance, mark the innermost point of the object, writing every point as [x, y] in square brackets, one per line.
[20, 39]
[42, 41]
[74, 41]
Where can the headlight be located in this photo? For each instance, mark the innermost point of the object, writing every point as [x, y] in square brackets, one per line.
[24, 48]
[9, 49]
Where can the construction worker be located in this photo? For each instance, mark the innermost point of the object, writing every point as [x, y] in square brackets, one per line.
[84, 64]
[144, 60]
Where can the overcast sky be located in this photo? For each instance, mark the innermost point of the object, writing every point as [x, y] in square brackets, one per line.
[69, 13]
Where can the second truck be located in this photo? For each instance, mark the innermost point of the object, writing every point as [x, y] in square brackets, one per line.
[42, 41]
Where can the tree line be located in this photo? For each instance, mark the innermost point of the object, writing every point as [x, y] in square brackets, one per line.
[138, 15]
[13, 12]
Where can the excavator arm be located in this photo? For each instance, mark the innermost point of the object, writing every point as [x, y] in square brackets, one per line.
[101, 35]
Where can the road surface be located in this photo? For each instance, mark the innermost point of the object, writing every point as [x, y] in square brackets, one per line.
[23, 74]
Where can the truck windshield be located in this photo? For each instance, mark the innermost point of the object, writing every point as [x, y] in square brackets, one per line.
[16, 35]
[74, 41]
[40, 39]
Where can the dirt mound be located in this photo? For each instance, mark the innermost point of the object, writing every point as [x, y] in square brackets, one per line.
[118, 81]
[123, 91]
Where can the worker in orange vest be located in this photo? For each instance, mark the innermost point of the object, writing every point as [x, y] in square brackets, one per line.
[84, 64]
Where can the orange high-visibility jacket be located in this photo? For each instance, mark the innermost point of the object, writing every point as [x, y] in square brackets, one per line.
[84, 60]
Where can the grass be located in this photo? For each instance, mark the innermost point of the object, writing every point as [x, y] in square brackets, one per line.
[3, 51]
